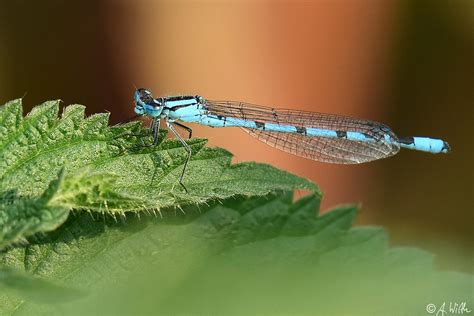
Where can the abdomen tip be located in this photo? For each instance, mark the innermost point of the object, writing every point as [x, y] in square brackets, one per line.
[446, 148]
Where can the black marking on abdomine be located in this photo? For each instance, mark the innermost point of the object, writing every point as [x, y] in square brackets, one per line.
[341, 134]
[407, 140]
[222, 118]
[260, 125]
[301, 130]
[446, 147]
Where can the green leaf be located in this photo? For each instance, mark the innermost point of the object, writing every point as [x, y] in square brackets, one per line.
[241, 256]
[108, 170]
[33, 149]
[21, 217]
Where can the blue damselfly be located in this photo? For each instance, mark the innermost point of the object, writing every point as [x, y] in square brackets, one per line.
[317, 136]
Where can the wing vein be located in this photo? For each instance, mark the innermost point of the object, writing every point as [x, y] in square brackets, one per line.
[381, 141]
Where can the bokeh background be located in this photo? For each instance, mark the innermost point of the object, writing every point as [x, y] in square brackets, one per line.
[406, 63]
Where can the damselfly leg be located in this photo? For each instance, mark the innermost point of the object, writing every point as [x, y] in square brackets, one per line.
[189, 130]
[155, 129]
[186, 147]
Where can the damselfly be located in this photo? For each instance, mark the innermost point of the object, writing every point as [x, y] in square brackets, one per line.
[317, 136]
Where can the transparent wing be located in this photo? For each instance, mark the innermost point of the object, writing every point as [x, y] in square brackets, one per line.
[326, 149]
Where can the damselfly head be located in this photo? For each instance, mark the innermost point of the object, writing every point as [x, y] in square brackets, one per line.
[144, 102]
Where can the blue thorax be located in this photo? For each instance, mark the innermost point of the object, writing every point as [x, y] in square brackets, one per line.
[173, 107]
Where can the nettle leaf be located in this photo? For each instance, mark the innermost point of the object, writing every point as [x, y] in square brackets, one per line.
[241, 256]
[33, 150]
[21, 217]
[109, 170]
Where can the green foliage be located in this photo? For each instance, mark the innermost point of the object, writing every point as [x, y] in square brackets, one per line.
[107, 170]
[244, 255]
[248, 250]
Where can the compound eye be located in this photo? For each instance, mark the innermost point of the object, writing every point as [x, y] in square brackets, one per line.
[145, 96]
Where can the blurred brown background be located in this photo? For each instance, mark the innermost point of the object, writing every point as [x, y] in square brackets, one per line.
[406, 63]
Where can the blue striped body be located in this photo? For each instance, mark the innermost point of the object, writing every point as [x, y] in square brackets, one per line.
[427, 144]
[328, 137]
